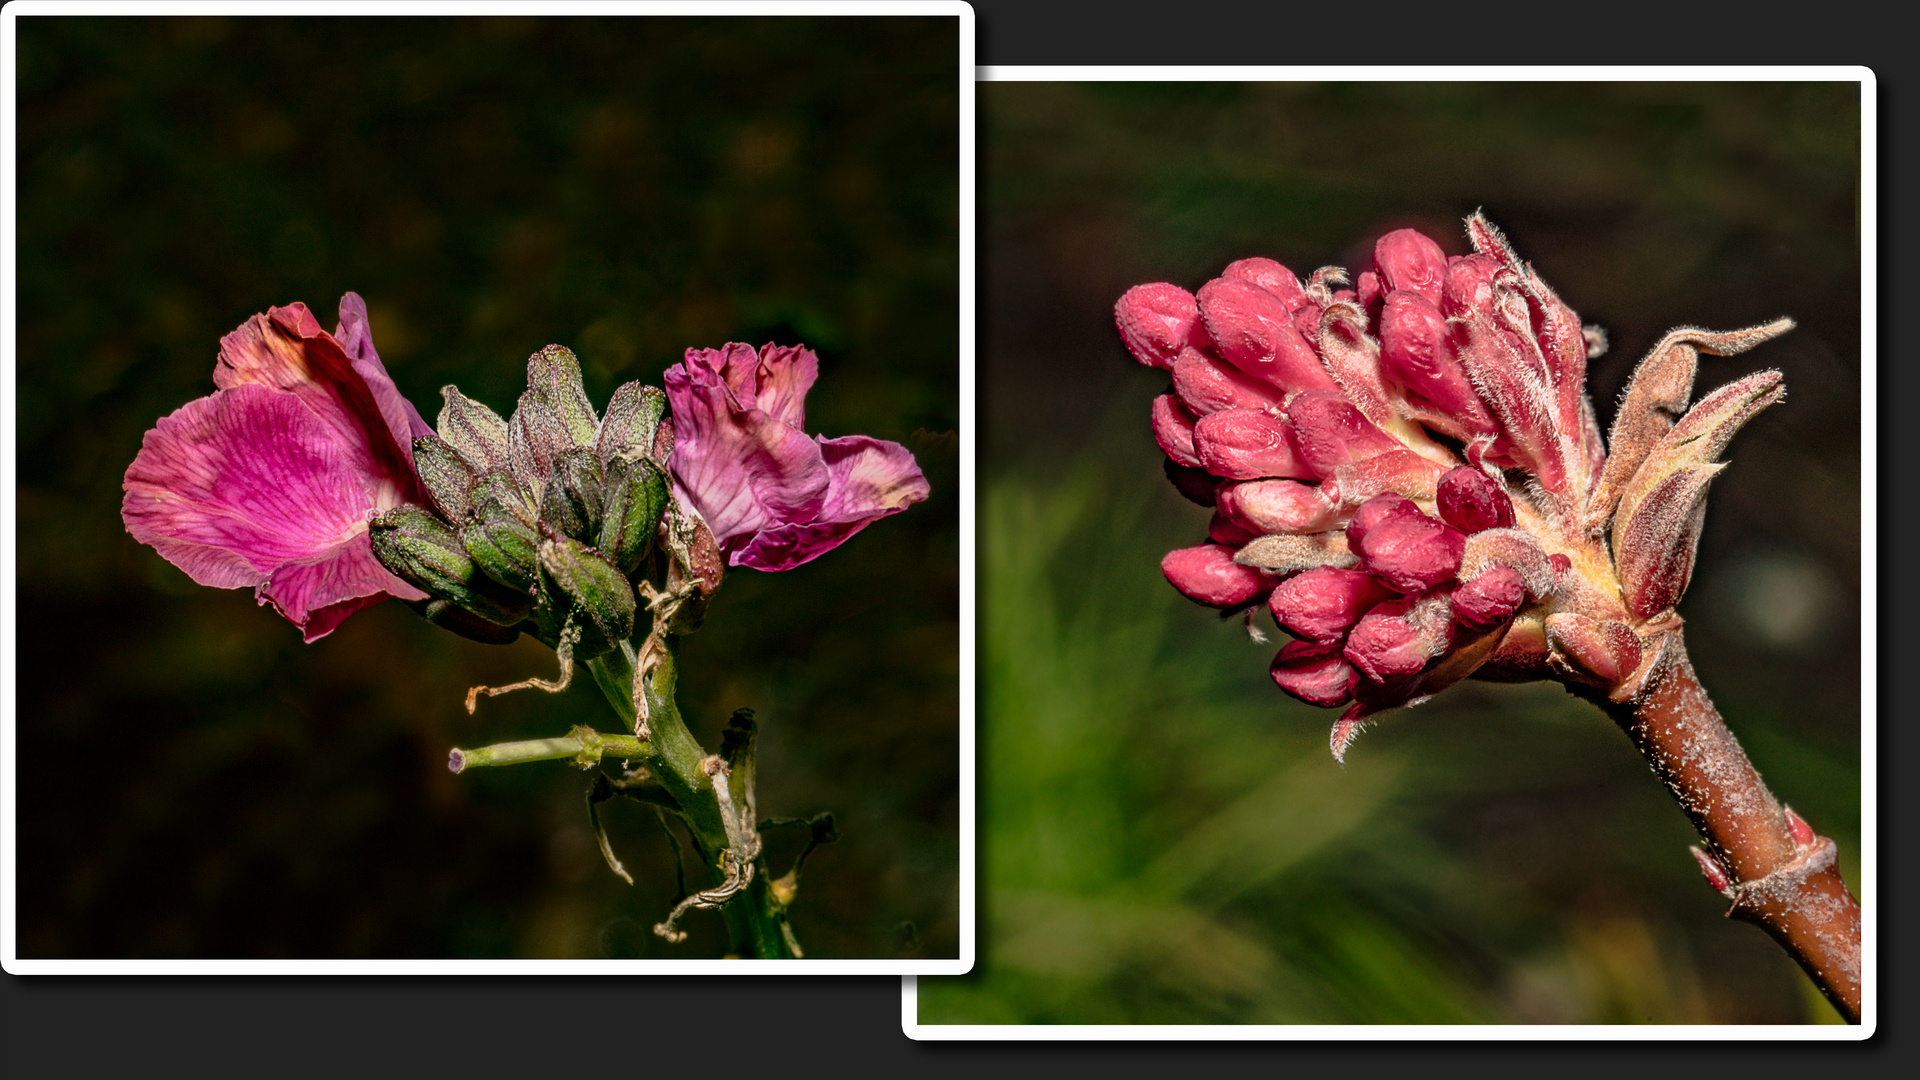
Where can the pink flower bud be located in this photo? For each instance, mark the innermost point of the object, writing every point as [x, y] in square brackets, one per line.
[1489, 599]
[1410, 551]
[1385, 646]
[1370, 291]
[1408, 260]
[1470, 500]
[1330, 432]
[1206, 385]
[1372, 512]
[1245, 444]
[1252, 330]
[1316, 674]
[1270, 276]
[1156, 322]
[1417, 355]
[1323, 604]
[1468, 285]
[1266, 507]
[1173, 429]
[1208, 575]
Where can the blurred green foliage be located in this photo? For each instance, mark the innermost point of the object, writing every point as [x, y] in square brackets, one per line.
[1165, 837]
[194, 782]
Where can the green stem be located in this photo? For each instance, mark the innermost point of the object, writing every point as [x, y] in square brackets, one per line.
[756, 922]
[584, 745]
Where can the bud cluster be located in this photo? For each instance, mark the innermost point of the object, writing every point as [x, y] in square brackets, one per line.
[543, 522]
[1410, 475]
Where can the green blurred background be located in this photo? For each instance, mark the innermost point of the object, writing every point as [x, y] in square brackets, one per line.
[1165, 837]
[195, 782]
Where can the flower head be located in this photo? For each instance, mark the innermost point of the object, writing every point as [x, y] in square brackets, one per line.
[773, 496]
[271, 480]
[1410, 475]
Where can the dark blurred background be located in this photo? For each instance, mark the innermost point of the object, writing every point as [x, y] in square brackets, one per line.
[1165, 836]
[195, 782]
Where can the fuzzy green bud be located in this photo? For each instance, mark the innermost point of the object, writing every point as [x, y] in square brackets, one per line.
[445, 474]
[632, 420]
[505, 548]
[421, 549]
[602, 601]
[474, 431]
[571, 501]
[636, 493]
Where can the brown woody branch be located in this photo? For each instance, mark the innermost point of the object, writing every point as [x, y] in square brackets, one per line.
[1779, 875]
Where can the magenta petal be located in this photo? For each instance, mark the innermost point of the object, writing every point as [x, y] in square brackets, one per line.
[286, 350]
[356, 340]
[782, 378]
[318, 593]
[870, 479]
[773, 497]
[236, 488]
[741, 468]
[1316, 674]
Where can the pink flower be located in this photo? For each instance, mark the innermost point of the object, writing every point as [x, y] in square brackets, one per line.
[270, 482]
[1411, 477]
[773, 496]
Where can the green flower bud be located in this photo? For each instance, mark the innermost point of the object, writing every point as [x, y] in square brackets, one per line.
[636, 492]
[445, 474]
[535, 437]
[505, 548]
[421, 549]
[571, 501]
[473, 430]
[602, 601]
[633, 418]
[506, 494]
[553, 374]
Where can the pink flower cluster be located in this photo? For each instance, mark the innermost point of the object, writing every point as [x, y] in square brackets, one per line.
[1409, 474]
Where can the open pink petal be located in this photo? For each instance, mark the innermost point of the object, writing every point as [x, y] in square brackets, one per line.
[270, 482]
[871, 478]
[774, 497]
[740, 467]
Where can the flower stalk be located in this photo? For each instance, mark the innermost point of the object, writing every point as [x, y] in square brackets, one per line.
[1780, 875]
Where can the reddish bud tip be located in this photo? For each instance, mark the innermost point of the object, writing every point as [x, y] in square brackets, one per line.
[1489, 599]
[1253, 330]
[1410, 551]
[1471, 501]
[1406, 259]
[1270, 276]
[1717, 875]
[1323, 604]
[1207, 574]
[1156, 321]
[1316, 674]
[1802, 832]
[1268, 507]
[1173, 429]
[1246, 444]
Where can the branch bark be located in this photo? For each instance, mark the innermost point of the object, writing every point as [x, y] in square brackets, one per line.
[1778, 873]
